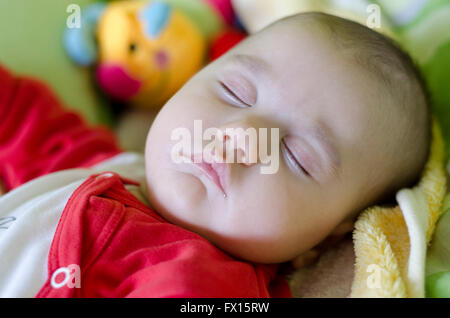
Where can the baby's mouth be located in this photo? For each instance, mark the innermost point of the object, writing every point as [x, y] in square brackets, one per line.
[217, 172]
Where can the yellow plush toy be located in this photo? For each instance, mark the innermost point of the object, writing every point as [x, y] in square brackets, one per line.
[391, 243]
[143, 59]
[144, 50]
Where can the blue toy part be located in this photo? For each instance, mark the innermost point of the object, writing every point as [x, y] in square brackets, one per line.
[94, 12]
[155, 17]
[80, 42]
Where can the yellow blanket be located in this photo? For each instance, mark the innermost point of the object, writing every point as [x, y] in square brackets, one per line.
[391, 243]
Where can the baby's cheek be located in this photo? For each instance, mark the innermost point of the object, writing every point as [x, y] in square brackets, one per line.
[272, 201]
[185, 191]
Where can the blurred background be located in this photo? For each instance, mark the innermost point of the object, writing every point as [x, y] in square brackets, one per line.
[128, 57]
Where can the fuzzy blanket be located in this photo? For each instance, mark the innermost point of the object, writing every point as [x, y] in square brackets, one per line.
[387, 253]
[330, 277]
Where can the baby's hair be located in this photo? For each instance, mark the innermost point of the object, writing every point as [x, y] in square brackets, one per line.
[408, 149]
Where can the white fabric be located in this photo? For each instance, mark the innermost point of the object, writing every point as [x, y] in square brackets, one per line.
[29, 216]
[414, 206]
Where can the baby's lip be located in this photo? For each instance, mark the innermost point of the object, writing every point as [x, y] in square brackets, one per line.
[217, 172]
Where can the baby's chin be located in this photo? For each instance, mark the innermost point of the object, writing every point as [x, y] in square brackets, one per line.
[255, 251]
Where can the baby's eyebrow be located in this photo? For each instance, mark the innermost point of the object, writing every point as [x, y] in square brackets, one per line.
[254, 64]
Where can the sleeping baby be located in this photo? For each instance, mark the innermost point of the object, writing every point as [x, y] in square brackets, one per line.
[84, 219]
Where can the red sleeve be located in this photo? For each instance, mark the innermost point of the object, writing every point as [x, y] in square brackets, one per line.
[37, 136]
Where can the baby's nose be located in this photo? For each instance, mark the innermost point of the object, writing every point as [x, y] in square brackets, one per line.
[237, 145]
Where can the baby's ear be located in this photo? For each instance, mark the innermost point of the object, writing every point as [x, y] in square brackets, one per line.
[332, 239]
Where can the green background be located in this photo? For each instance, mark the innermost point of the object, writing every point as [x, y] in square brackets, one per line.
[31, 33]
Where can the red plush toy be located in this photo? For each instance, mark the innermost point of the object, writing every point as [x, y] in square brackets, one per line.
[224, 42]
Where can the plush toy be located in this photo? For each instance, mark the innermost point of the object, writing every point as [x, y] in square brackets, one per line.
[144, 51]
[225, 41]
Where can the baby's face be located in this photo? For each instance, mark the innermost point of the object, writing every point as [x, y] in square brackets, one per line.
[323, 108]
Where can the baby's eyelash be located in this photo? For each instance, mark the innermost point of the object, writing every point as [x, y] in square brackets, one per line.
[232, 95]
[293, 158]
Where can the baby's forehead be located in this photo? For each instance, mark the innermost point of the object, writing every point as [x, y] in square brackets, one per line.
[285, 46]
[290, 65]
[251, 63]
[304, 86]
[292, 30]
